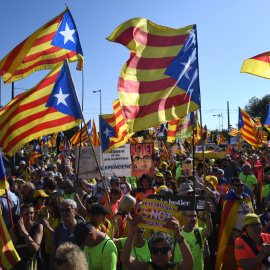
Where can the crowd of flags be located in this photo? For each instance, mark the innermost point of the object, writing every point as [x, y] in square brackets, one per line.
[158, 90]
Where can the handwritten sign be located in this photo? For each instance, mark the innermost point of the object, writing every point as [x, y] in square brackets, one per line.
[155, 215]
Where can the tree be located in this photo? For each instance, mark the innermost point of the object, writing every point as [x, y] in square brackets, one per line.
[258, 107]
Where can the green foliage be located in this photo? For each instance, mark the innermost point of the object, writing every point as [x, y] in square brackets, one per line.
[257, 107]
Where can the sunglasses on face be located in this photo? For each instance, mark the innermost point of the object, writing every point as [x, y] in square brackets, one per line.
[59, 261]
[238, 185]
[28, 213]
[254, 225]
[66, 210]
[92, 202]
[163, 250]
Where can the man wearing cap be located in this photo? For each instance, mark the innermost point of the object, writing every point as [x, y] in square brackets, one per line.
[195, 237]
[160, 180]
[99, 249]
[23, 172]
[236, 205]
[252, 248]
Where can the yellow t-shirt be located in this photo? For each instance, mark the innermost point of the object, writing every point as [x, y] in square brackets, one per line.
[54, 222]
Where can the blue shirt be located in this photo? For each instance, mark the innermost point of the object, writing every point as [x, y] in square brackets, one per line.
[14, 205]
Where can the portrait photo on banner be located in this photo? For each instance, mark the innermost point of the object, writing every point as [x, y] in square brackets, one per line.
[142, 159]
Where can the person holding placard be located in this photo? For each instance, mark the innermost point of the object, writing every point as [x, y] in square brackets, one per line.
[161, 246]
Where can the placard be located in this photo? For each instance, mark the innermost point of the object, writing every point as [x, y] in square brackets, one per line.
[117, 162]
[155, 215]
[142, 158]
[192, 203]
[187, 168]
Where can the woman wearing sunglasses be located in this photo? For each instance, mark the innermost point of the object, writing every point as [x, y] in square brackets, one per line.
[70, 257]
[161, 248]
[27, 238]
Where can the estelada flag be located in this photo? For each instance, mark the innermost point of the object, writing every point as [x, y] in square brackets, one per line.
[266, 123]
[95, 140]
[81, 135]
[248, 130]
[258, 65]
[44, 49]
[233, 131]
[51, 106]
[35, 153]
[159, 82]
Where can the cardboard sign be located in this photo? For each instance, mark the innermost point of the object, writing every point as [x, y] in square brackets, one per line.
[142, 158]
[155, 215]
[187, 168]
[182, 202]
[174, 149]
[199, 148]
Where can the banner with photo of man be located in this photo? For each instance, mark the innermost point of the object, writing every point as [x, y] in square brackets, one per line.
[142, 158]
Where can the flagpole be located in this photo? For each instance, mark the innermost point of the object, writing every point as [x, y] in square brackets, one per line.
[204, 170]
[228, 110]
[106, 191]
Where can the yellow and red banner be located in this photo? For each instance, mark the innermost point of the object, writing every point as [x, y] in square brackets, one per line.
[155, 215]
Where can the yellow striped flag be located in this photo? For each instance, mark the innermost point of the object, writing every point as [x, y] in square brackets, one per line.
[81, 135]
[44, 49]
[114, 131]
[258, 65]
[159, 83]
[51, 106]
[266, 123]
[248, 130]
[233, 131]
[95, 140]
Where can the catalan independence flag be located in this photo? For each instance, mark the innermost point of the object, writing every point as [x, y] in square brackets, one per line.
[95, 140]
[114, 129]
[266, 123]
[258, 65]
[44, 49]
[233, 131]
[248, 130]
[51, 106]
[35, 153]
[159, 82]
[81, 135]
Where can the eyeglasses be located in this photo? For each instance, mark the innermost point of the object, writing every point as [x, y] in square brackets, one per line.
[145, 159]
[254, 225]
[66, 210]
[92, 202]
[28, 213]
[117, 184]
[163, 250]
[60, 262]
[238, 185]
[191, 216]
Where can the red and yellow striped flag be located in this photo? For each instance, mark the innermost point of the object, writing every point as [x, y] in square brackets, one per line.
[248, 130]
[258, 65]
[51, 106]
[81, 135]
[44, 49]
[162, 68]
[95, 140]
[233, 131]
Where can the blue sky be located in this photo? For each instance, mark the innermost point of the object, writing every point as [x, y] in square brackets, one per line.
[228, 33]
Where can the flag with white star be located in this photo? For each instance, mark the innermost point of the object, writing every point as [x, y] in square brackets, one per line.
[35, 153]
[44, 49]
[49, 107]
[106, 130]
[160, 81]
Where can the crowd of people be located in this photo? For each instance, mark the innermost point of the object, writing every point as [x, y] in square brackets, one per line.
[61, 222]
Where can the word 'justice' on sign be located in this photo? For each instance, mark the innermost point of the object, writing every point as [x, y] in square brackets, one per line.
[155, 215]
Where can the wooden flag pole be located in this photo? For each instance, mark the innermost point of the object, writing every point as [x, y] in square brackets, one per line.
[106, 191]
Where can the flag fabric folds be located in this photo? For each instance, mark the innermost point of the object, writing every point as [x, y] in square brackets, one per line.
[248, 130]
[258, 65]
[114, 131]
[35, 153]
[44, 49]
[159, 83]
[51, 106]
[95, 140]
[233, 131]
[266, 123]
[81, 135]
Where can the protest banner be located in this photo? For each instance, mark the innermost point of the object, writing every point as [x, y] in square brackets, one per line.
[174, 149]
[85, 163]
[193, 203]
[117, 162]
[142, 158]
[155, 214]
[199, 148]
[187, 168]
